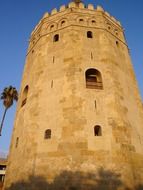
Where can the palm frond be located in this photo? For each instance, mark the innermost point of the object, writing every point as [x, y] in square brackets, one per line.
[8, 95]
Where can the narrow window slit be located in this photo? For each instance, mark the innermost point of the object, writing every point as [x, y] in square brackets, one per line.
[17, 141]
[24, 95]
[52, 84]
[91, 55]
[95, 104]
[53, 59]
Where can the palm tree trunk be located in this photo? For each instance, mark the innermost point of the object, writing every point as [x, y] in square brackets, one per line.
[3, 120]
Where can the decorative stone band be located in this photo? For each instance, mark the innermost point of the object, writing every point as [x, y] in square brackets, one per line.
[53, 22]
[80, 6]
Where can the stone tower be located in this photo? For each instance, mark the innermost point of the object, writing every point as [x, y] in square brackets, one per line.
[79, 108]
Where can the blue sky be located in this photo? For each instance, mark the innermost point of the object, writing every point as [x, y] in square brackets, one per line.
[18, 18]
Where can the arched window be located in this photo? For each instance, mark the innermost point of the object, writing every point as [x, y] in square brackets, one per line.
[93, 79]
[56, 38]
[47, 134]
[93, 22]
[97, 130]
[63, 23]
[52, 27]
[89, 34]
[117, 43]
[108, 26]
[116, 32]
[24, 95]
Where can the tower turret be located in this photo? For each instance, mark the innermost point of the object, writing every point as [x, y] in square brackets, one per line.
[79, 112]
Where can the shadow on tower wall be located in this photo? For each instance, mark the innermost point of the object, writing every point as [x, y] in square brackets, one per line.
[102, 180]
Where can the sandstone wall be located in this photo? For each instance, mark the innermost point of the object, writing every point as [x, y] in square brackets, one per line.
[59, 100]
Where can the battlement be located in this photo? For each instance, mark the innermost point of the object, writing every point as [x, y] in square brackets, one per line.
[83, 7]
[82, 15]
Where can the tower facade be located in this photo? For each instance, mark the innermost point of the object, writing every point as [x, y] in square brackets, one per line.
[79, 108]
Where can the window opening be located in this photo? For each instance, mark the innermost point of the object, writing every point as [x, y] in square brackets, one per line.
[89, 34]
[81, 20]
[56, 38]
[52, 84]
[24, 95]
[116, 32]
[47, 134]
[97, 131]
[17, 141]
[51, 27]
[53, 59]
[91, 55]
[95, 105]
[63, 23]
[93, 79]
[117, 43]
[93, 21]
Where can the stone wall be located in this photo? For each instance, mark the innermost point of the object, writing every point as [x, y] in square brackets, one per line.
[58, 100]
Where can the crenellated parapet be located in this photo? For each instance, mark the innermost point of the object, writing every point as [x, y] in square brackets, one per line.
[79, 112]
[80, 15]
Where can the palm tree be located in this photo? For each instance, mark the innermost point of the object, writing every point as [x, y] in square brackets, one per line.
[8, 95]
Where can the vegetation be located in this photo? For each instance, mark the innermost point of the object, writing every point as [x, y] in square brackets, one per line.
[9, 95]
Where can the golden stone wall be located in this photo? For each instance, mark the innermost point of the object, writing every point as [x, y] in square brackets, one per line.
[58, 100]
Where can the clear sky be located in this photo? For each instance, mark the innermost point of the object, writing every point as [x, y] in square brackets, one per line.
[19, 17]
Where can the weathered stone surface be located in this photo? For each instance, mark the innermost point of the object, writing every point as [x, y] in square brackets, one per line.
[58, 100]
